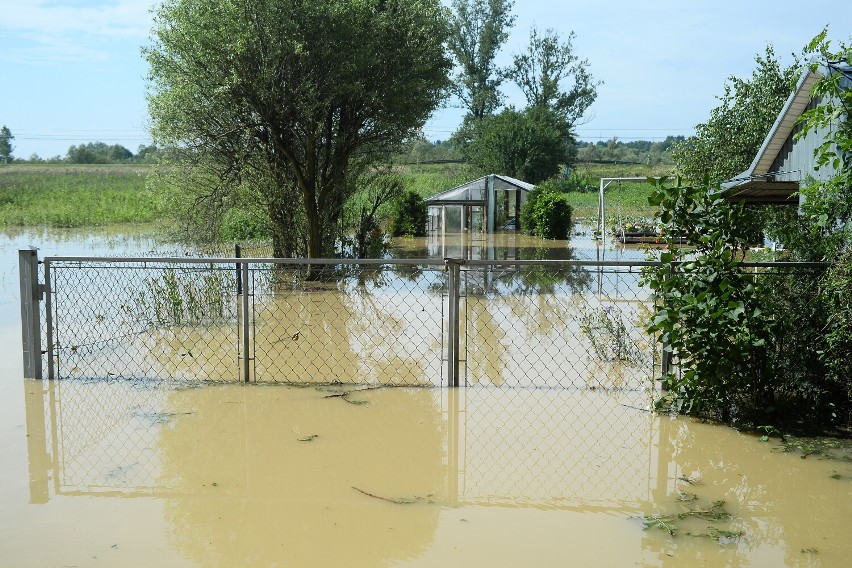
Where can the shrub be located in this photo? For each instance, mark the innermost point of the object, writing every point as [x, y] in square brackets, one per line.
[546, 212]
[409, 215]
[752, 348]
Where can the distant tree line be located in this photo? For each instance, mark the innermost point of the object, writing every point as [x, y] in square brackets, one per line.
[102, 153]
[636, 151]
[422, 151]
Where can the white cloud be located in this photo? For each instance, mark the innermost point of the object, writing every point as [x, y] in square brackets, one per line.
[68, 30]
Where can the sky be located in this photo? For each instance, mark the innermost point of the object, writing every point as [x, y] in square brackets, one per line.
[71, 71]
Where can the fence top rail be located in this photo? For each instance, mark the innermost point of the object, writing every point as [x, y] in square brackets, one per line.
[234, 260]
[435, 262]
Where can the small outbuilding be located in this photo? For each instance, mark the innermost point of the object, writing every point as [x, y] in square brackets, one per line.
[785, 159]
[485, 204]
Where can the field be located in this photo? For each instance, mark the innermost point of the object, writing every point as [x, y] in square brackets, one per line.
[70, 196]
[74, 196]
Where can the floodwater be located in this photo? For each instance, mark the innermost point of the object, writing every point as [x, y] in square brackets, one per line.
[134, 473]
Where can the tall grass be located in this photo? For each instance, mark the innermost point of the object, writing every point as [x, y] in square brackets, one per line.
[75, 196]
[429, 179]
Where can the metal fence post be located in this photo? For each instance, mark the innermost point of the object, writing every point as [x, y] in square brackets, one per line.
[246, 324]
[453, 269]
[238, 252]
[30, 313]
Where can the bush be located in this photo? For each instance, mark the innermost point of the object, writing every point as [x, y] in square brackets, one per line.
[409, 215]
[837, 357]
[546, 212]
[768, 348]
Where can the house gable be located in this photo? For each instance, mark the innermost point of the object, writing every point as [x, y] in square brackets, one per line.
[785, 159]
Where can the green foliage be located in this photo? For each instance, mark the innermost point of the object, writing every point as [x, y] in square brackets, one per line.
[546, 212]
[634, 152]
[837, 355]
[544, 66]
[823, 231]
[79, 196]
[243, 225]
[750, 347]
[527, 145]
[427, 180]
[709, 314]
[606, 330]
[291, 101]
[421, 151]
[6, 144]
[98, 153]
[827, 206]
[577, 181]
[725, 145]
[409, 215]
[477, 29]
[366, 210]
[184, 297]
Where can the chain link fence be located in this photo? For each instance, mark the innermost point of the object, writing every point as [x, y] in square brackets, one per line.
[555, 354]
[568, 324]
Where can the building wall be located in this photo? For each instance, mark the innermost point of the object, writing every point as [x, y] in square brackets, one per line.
[796, 157]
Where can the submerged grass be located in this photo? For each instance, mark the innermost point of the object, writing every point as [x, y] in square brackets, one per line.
[63, 196]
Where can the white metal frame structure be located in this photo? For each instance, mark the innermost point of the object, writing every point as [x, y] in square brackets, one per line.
[605, 183]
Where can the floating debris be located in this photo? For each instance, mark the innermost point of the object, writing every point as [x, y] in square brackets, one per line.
[396, 500]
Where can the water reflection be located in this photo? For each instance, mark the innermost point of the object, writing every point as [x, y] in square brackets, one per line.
[263, 475]
[511, 245]
[272, 478]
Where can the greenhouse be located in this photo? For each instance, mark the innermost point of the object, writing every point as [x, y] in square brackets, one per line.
[486, 204]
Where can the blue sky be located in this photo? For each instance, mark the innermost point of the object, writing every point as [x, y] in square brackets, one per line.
[71, 70]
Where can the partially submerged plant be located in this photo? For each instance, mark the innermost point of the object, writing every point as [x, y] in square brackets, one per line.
[181, 296]
[605, 328]
[715, 513]
[825, 448]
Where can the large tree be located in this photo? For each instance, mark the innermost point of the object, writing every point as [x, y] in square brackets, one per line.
[553, 77]
[726, 144]
[478, 28]
[527, 144]
[290, 97]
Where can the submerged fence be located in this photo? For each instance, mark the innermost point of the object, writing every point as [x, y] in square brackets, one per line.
[391, 322]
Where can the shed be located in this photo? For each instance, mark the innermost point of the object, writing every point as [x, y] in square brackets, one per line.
[784, 160]
[483, 204]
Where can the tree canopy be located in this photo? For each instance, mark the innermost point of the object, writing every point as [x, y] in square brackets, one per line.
[290, 101]
[541, 70]
[478, 28]
[527, 144]
[530, 143]
[726, 144]
[98, 153]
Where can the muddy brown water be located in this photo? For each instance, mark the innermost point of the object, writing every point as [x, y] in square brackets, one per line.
[118, 473]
